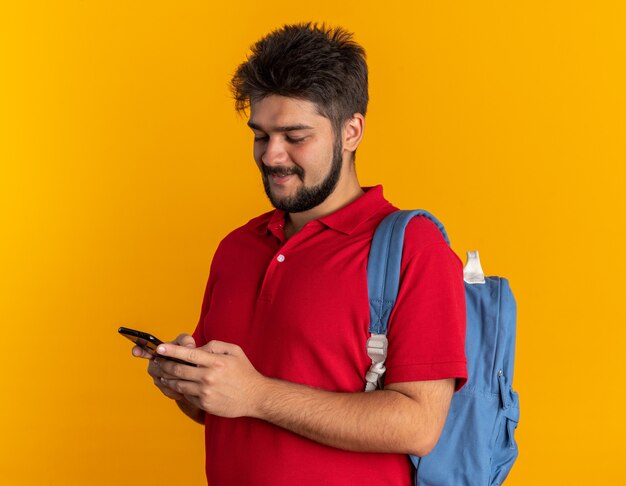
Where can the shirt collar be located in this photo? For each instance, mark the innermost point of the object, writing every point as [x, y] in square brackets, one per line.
[346, 219]
[349, 217]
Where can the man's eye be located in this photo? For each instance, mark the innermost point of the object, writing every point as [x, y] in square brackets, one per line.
[295, 140]
[260, 138]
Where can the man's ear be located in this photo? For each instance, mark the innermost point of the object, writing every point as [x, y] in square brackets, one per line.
[353, 132]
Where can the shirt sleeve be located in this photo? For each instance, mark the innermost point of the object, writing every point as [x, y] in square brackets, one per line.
[198, 334]
[427, 326]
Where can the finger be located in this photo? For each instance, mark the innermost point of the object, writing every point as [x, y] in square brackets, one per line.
[185, 340]
[181, 386]
[154, 370]
[159, 378]
[191, 355]
[157, 373]
[177, 370]
[140, 353]
[167, 391]
[220, 347]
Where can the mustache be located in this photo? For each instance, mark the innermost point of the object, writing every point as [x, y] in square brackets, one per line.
[282, 171]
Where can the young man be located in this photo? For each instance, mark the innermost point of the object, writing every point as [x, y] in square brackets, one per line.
[280, 347]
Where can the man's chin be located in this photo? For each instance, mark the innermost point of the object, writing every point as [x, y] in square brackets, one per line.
[282, 203]
[285, 203]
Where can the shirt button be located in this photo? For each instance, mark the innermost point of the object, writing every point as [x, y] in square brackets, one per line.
[280, 258]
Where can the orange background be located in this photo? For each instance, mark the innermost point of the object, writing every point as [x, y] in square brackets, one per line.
[123, 164]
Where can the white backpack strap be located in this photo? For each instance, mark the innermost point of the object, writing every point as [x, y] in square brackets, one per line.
[377, 351]
[473, 272]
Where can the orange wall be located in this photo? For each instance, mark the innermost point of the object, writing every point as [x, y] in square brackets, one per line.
[123, 164]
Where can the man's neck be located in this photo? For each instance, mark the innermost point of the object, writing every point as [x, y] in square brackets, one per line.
[341, 197]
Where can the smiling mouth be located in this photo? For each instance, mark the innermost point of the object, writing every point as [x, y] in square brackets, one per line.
[281, 174]
[280, 178]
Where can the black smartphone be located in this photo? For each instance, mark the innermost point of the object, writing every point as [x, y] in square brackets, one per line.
[148, 343]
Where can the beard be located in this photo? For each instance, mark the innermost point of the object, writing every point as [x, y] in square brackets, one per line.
[306, 197]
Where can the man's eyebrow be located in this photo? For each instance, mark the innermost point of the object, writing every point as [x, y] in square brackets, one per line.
[288, 128]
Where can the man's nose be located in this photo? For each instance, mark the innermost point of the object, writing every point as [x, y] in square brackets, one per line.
[274, 153]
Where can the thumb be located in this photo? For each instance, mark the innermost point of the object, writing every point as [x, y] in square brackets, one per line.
[140, 353]
[185, 340]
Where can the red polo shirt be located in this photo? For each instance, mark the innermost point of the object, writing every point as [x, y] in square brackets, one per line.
[299, 309]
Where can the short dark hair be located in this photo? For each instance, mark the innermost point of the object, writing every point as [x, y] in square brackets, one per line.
[306, 61]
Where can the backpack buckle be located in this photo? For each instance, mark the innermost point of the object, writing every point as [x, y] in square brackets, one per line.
[377, 348]
[377, 351]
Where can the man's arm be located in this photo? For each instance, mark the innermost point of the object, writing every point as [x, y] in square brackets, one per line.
[402, 418]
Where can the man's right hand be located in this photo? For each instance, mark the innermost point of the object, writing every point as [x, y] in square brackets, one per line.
[155, 371]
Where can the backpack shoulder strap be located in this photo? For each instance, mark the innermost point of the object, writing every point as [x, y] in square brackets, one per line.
[383, 281]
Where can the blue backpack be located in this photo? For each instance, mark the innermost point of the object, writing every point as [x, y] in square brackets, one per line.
[477, 445]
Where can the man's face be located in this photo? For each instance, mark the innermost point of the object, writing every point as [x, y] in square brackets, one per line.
[295, 148]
